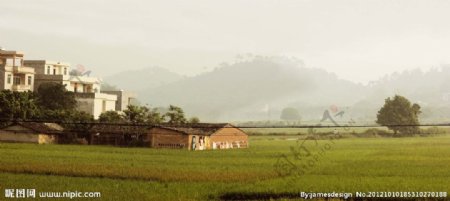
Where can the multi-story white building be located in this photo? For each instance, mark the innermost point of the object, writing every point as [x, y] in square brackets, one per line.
[14, 75]
[124, 98]
[53, 71]
[87, 89]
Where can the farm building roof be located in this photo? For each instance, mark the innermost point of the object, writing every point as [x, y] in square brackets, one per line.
[39, 127]
[119, 128]
[196, 129]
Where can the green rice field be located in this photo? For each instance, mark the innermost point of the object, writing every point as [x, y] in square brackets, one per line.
[339, 165]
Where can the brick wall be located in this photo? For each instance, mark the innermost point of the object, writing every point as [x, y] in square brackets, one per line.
[229, 138]
[165, 138]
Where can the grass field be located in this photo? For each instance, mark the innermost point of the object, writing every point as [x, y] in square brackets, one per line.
[342, 130]
[347, 165]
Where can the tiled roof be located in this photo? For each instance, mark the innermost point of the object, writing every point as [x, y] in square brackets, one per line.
[196, 129]
[119, 129]
[193, 129]
[40, 127]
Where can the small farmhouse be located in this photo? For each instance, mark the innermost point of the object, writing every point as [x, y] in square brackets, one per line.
[31, 132]
[200, 136]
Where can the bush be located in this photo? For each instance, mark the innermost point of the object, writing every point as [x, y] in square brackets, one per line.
[433, 130]
[375, 132]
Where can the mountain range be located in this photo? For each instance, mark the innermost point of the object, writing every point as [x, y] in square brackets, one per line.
[138, 80]
[259, 88]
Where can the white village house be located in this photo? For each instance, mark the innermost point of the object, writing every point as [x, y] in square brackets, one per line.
[17, 74]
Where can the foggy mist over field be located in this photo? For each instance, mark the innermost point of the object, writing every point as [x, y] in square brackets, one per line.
[260, 87]
[248, 60]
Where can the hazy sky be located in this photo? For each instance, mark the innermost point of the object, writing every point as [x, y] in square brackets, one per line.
[359, 40]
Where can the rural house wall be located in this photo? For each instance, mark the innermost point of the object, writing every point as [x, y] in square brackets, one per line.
[165, 138]
[229, 138]
[21, 134]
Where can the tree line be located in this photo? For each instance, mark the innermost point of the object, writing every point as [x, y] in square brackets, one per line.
[143, 114]
[52, 102]
[397, 114]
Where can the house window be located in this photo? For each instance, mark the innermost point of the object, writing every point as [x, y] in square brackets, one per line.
[54, 71]
[10, 62]
[9, 78]
[65, 71]
[30, 80]
[48, 70]
[18, 62]
[17, 80]
[75, 87]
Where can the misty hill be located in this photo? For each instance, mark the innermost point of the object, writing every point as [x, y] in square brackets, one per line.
[426, 87]
[255, 89]
[431, 89]
[137, 80]
[260, 87]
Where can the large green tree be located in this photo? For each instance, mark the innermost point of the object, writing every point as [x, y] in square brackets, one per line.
[54, 96]
[154, 117]
[136, 114]
[110, 117]
[399, 115]
[58, 104]
[18, 105]
[175, 115]
[142, 114]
